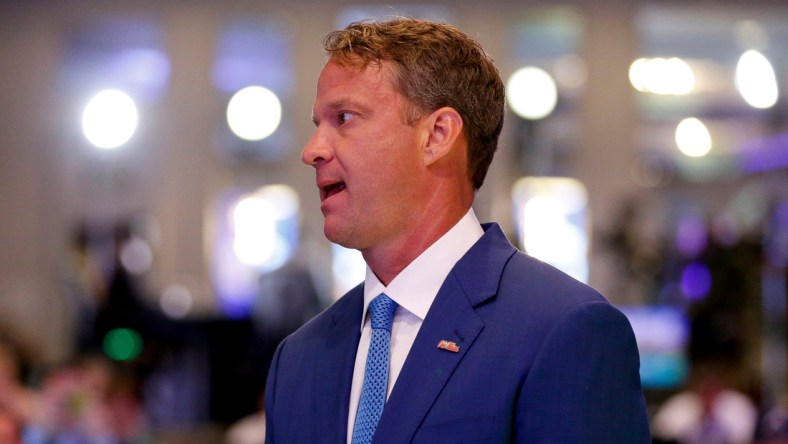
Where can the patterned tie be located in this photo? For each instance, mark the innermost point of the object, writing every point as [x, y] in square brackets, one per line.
[376, 374]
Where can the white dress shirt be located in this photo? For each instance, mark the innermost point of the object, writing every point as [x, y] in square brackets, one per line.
[414, 290]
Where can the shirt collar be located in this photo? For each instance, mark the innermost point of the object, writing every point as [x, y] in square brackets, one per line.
[416, 287]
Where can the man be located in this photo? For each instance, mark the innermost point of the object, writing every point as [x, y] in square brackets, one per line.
[486, 344]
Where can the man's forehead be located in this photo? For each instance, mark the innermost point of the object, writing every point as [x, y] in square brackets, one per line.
[351, 59]
[370, 71]
[342, 79]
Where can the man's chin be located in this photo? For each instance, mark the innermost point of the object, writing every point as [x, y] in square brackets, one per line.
[336, 235]
[341, 235]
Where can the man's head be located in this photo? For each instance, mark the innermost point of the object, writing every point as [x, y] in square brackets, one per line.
[434, 65]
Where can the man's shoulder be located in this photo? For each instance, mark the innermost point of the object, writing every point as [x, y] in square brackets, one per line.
[534, 290]
[541, 276]
[528, 275]
[522, 273]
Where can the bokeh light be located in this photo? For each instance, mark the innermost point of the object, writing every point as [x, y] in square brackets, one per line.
[254, 113]
[348, 269]
[258, 241]
[283, 199]
[122, 344]
[531, 93]
[664, 76]
[693, 138]
[696, 281]
[692, 235]
[176, 301]
[756, 80]
[551, 222]
[110, 119]
[136, 256]
[571, 71]
[255, 231]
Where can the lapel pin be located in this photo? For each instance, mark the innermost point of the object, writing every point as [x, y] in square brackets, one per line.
[448, 345]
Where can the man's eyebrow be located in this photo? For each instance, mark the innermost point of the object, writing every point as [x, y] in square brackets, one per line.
[338, 104]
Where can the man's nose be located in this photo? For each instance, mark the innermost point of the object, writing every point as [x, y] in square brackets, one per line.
[317, 150]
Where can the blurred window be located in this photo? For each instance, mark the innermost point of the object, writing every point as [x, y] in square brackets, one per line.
[255, 233]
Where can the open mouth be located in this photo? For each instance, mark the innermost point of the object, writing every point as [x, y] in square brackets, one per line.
[332, 189]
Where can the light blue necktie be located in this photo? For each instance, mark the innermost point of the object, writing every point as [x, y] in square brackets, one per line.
[376, 374]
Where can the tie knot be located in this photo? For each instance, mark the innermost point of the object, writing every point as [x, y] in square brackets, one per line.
[382, 311]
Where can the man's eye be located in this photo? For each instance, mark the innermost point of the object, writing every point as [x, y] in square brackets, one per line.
[344, 117]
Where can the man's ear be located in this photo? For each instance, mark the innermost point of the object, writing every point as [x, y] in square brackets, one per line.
[444, 127]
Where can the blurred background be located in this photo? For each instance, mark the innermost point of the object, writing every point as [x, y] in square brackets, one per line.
[159, 235]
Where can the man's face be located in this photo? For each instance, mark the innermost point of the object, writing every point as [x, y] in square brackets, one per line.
[367, 159]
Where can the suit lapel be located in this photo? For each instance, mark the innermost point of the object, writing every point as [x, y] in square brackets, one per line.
[343, 339]
[452, 318]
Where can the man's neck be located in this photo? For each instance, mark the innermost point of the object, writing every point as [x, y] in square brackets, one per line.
[388, 260]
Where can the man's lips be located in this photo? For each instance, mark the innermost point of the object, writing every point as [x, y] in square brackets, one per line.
[331, 189]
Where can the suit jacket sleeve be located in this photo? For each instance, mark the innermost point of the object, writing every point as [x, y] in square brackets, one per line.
[584, 385]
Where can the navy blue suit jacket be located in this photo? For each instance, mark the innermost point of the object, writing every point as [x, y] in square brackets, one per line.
[542, 359]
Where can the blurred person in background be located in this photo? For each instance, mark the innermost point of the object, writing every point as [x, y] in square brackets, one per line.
[9, 429]
[485, 344]
[87, 401]
[710, 411]
[773, 427]
[15, 400]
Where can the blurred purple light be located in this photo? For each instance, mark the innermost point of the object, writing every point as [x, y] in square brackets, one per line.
[691, 236]
[126, 53]
[764, 154]
[661, 328]
[252, 52]
[777, 246]
[143, 71]
[696, 281]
